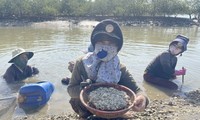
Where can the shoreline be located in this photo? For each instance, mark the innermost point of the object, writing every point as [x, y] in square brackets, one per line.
[124, 21]
[173, 108]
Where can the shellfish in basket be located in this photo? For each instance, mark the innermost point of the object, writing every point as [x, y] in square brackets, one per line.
[107, 100]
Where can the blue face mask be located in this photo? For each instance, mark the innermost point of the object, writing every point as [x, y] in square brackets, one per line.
[102, 54]
[105, 52]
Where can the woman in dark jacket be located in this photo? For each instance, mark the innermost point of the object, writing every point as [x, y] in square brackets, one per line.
[103, 66]
[162, 69]
[19, 70]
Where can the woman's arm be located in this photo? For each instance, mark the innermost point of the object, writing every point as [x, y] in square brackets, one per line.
[74, 87]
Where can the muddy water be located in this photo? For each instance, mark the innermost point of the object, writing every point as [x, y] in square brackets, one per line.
[55, 47]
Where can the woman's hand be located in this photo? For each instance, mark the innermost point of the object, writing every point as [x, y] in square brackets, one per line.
[35, 71]
[140, 103]
[180, 72]
[71, 66]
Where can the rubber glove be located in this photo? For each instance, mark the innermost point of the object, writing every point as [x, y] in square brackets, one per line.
[180, 72]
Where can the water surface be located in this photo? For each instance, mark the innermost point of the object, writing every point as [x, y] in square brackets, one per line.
[54, 48]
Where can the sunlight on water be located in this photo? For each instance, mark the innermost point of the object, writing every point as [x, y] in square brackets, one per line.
[54, 48]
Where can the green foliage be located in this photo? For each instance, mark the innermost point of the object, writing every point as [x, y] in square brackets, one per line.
[21, 8]
[196, 6]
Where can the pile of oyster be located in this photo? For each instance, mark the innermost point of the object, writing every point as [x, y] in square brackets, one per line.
[108, 99]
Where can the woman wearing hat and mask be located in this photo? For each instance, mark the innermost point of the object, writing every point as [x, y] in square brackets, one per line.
[19, 70]
[162, 69]
[103, 66]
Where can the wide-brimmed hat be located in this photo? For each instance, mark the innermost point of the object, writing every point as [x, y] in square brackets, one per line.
[181, 39]
[18, 52]
[108, 29]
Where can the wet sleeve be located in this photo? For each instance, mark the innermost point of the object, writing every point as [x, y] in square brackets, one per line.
[74, 88]
[9, 75]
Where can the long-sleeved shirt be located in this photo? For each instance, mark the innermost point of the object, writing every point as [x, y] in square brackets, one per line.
[163, 65]
[13, 73]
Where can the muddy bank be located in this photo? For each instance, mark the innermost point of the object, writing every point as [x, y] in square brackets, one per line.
[125, 21]
[176, 107]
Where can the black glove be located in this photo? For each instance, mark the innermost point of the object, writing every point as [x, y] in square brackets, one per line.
[65, 81]
[85, 83]
[35, 71]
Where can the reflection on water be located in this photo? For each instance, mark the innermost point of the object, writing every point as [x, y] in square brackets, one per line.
[54, 48]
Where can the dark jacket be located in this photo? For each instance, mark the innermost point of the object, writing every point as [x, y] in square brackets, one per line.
[15, 74]
[162, 66]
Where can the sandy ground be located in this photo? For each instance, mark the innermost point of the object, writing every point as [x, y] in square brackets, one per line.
[174, 108]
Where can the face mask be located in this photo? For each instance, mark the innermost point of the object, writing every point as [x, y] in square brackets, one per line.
[174, 50]
[21, 61]
[105, 52]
